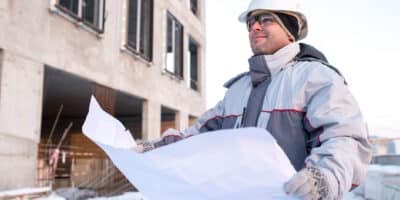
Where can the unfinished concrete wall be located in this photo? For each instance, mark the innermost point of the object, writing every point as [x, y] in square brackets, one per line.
[1, 63]
[52, 38]
[33, 35]
[20, 116]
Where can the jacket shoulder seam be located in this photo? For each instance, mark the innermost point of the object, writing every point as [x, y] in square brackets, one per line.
[229, 83]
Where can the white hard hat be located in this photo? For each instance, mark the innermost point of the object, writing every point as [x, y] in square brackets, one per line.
[289, 7]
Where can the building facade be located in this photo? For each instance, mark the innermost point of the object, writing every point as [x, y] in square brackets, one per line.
[142, 59]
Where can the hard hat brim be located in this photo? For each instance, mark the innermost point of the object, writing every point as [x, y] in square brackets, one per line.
[299, 16]
[243, 16]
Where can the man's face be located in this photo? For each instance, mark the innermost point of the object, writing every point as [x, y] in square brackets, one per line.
[266, 35]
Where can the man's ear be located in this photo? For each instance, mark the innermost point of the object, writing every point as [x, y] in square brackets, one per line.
[290, 38]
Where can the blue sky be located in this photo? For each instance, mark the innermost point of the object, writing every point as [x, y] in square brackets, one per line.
[361, 38]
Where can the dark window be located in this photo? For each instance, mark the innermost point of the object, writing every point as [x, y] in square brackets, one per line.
[193, 63]
[71, 5]
[174, 46]
[140, 27]
[193, 6]
[90, 9]
[90, 12]
[132, 23]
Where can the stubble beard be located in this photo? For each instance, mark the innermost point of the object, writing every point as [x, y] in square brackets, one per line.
[261, 48]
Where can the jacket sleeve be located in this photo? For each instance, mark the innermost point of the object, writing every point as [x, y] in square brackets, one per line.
[209, 121]
[339, 140]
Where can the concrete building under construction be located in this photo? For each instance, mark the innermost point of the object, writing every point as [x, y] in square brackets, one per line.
[142, 59]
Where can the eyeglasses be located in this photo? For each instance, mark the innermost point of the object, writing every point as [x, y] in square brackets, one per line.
[264, 20]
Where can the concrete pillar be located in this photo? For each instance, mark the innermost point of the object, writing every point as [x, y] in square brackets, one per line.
[21, 88]
[181, 120]
[151, 120]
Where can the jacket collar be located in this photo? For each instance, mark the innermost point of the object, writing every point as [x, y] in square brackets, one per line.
[264, 66]
[308, 51]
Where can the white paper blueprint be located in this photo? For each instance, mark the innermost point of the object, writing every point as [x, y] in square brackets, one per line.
[222, 165]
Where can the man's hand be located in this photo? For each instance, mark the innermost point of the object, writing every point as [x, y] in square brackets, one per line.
[143, 146]
[313, 183]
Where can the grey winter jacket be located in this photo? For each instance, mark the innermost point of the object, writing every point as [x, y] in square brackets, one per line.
[304, 103]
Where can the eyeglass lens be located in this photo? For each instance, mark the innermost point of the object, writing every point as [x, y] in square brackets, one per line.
[263, 19]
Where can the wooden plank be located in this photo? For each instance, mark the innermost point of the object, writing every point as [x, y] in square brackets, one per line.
[167, 124]
[106, 97]
[24, 192]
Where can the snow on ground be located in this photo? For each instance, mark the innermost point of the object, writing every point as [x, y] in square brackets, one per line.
[53, 196]
[138, 196]
[125, 196]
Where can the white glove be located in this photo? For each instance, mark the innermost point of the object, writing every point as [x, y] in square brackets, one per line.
[169, 136]
[313, 183]
[143, 146]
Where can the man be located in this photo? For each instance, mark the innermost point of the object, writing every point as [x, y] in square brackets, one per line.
[294, 93]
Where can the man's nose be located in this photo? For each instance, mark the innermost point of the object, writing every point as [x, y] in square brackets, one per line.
[256, 26]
